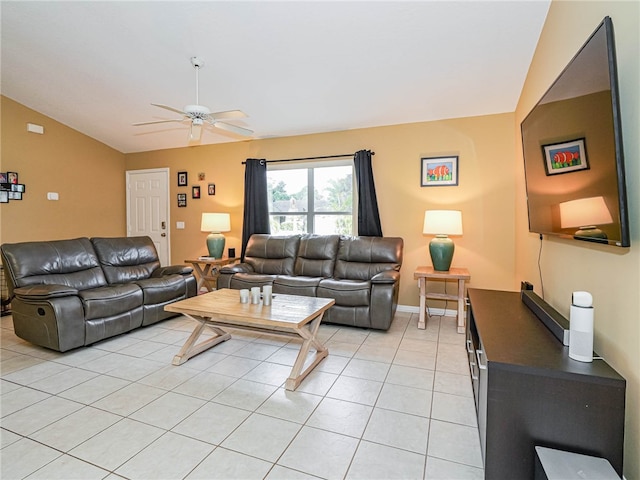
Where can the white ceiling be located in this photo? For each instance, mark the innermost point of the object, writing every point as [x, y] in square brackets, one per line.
[294, 67]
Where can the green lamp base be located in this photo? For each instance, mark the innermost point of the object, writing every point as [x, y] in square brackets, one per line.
[215, 244]
[441, 249]
[591, 232]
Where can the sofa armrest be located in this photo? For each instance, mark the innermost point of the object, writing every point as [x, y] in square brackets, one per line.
[171, 270]
[237, 268]
[388, 276]
[43, 292]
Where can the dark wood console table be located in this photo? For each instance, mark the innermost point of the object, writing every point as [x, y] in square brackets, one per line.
[530, 393]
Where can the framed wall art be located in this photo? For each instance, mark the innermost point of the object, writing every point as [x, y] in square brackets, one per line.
[195, 191]
[211, 189]
[439, 171]
[182, 179]
[182, 200]
[565, 157]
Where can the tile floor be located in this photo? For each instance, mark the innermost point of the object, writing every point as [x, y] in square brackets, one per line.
[386, 405]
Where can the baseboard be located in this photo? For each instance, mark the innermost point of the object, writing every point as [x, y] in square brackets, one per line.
[436, 312]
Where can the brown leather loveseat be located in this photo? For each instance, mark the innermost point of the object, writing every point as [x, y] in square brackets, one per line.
[70, 293]
[362, 274]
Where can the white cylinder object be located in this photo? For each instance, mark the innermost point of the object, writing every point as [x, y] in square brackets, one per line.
[255, 294]
[266, 295]
[581, 327]
[244, 296]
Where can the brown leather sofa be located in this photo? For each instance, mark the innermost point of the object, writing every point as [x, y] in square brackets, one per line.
[70, 293]
[362, 274]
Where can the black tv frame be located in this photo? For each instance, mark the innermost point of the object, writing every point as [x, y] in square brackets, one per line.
[624, 240]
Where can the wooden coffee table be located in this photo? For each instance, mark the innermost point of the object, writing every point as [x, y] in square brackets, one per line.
[291, 315]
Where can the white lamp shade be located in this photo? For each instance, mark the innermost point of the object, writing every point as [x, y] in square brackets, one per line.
[215, 222]
[584, 212]
[442, 222]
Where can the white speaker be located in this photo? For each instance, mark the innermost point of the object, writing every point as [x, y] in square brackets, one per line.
[581, 327]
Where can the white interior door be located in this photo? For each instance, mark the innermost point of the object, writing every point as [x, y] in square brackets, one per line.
[148, 208]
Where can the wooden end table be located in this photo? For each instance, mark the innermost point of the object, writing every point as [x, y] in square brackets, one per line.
[422, 274]
[292, 315]
[207, 270]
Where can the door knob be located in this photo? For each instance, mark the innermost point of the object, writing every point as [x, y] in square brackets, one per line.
[163, 234]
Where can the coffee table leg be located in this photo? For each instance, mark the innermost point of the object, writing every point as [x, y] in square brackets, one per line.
[190, 348]
[309, 336]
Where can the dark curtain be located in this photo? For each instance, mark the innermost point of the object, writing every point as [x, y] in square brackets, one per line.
[368, 215]
[256, 201]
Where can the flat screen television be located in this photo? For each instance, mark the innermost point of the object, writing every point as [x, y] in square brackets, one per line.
[572, 147]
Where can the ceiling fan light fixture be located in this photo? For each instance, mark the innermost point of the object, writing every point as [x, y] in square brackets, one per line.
[196, 129]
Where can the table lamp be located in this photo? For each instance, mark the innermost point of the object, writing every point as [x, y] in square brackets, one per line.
[586, 214]
[215, 223]
[442, 223]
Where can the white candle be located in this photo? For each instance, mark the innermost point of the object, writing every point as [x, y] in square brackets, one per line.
[244, 296]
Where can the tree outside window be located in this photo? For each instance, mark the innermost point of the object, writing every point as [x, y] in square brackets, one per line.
[329, 210]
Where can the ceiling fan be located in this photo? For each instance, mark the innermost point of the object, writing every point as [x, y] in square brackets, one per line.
[198, 114]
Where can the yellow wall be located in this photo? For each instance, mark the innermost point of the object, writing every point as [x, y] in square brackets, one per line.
[485, 193]
[88, 176]
[611, 274]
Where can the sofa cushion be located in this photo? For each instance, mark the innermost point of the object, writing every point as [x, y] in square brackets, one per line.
[72, 263]
[110, 300]
[162, 290]
[317, 255]
[350, 293]
[126, 259]
[272, 255]
[360, 258]
[289, 285]
[248, 280]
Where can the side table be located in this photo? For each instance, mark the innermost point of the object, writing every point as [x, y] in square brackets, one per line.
[206, 270]
[422, 274]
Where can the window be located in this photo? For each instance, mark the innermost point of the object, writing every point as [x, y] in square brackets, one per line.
[327, 210]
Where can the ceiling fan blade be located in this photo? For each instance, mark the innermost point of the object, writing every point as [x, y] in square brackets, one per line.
[167, 107]
[154, 122]
[196, 132]
[228, 114]
[233, 128]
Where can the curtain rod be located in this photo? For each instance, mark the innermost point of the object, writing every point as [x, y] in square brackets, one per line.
[310, 158]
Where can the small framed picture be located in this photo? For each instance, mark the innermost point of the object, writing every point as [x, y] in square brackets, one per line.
[12, 177]
[17, 187]
[182, 179]
[195, 191]
[211, 189]
[439, 171]
[15, 195]
[182, 200]
[3, 177]
[565, 157]
[7, 187]
[4, 196]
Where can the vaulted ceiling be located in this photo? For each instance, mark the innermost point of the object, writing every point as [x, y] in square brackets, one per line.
[295, 67]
